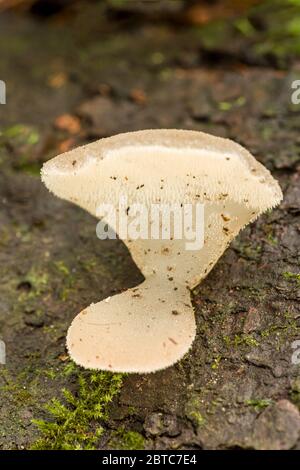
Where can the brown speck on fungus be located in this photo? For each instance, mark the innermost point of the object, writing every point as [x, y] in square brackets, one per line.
[173, 341]
[225, 217]
[165, 156]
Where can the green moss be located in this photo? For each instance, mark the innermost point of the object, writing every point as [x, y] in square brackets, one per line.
[279, 38]
[228, 105]
[22, 134]
[89, 264]
[282, 35]
[214, 405]
[244, 26]
[21, 386]
[292, 276]
[38, 281]
[240, 340]
[216, 362]
[247, 251]
[268, 229]
[77, 421]
[127, 440]
[32, 168]
[15, 387]
[32, 290]
[51, 373]
[23, 232]
[193, 411]
[280, 332]
[259, 404]
[67, 279]
[272, 240]
[197, 418]
[227, 341]
[225, 106]
[213, 34]
[62, 268]
[23, 139]
[245, 339]
[69, 369]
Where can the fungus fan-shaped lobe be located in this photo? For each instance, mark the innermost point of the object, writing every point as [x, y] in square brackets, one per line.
[144, 329]
[160, 165]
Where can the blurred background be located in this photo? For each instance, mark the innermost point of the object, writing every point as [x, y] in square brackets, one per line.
[92, 68]
[76, 71]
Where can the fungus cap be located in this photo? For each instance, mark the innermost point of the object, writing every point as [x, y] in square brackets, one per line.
[166, 165]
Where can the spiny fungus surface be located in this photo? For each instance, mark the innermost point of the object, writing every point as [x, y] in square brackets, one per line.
[150, 327]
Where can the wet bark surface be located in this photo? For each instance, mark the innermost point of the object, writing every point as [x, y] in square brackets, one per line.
[93, 76]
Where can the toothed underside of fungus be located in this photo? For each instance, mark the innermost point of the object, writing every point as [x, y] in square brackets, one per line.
[152, 326]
